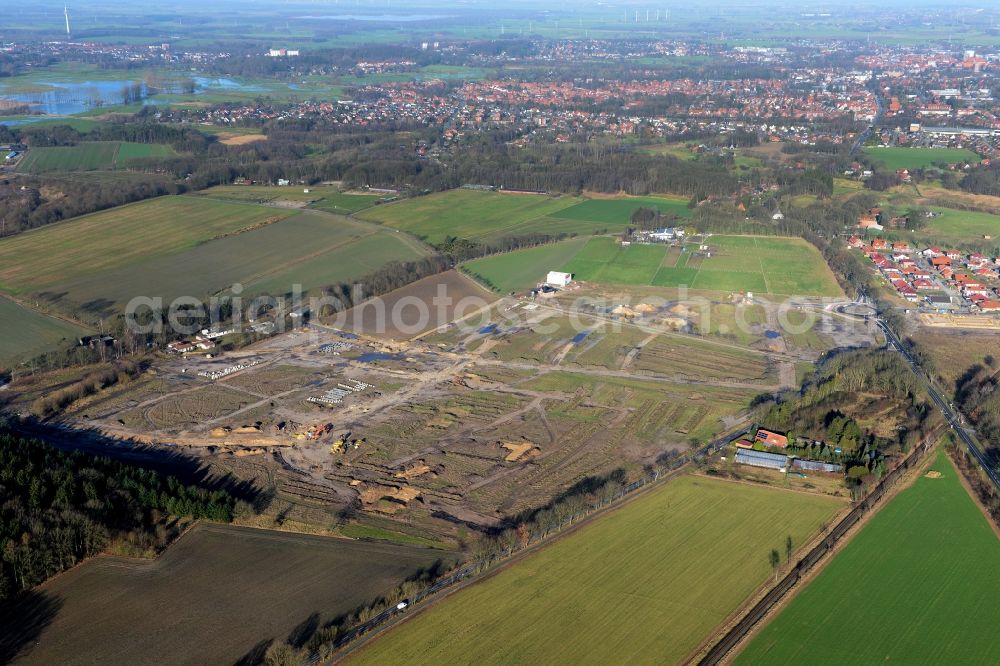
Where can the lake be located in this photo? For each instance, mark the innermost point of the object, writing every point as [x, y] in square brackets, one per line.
[66, 99]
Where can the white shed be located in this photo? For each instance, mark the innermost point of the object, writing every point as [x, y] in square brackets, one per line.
[557, 279]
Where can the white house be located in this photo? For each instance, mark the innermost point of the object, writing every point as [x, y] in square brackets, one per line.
[557, 279]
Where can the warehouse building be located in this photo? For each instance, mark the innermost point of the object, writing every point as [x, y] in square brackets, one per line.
[762, 459]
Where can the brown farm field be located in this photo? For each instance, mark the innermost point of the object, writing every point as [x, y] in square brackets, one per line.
[413, 309]
[953, 352]
[213, 597]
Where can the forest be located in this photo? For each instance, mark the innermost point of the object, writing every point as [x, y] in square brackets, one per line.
[59, 507]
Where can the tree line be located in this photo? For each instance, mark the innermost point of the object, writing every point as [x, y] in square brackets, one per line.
[59, 507]
[830, 409]
[28, 202]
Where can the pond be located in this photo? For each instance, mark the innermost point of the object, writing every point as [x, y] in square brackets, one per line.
[208, 84]
[371, 357]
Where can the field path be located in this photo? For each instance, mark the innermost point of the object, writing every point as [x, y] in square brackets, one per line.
[631, 356]
[606, 372]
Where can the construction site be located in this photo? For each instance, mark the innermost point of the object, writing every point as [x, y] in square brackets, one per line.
[477, 419]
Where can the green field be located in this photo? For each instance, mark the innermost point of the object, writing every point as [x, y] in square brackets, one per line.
[89, 156]
[345, 203]
[618, 212]
[321, 197]
[737, 263]
[644, 584]
[917, 585]
[213, 596]
[468, 214]
[58, 254]
[895, 158]
[27, 333]
[342, 262]
[961, 226]
[186, 246]
[523, 269]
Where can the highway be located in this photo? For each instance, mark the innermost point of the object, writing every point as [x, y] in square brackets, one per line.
[955, 420]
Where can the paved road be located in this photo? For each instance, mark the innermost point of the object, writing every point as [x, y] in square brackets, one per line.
[955, 420]
[879, 110]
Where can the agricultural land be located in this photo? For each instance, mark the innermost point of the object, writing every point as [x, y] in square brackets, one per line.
[27, 332]
[731, 263]
[652, 578]
[920, 158]
[90, 156]
[521, 270]
[191, 246]
[275, 581]
[471, 214]
[899, 574]
[617, 211]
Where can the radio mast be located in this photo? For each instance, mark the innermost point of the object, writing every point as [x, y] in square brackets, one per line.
[66, 14]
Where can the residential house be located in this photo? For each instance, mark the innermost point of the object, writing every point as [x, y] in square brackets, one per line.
[770, 438]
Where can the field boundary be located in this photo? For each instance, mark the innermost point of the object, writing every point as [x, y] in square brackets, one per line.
[469, 576]
[967, 484]
[808, 564]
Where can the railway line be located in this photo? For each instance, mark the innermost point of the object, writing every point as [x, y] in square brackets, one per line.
[954, 420]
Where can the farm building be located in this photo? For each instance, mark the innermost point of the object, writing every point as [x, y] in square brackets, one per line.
[816, 465]
[558, 279]
[771, 438]
[762, 459]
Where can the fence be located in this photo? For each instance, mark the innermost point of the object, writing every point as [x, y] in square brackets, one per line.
[804, 565]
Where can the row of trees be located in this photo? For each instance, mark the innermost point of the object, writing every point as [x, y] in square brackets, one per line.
[45, 199]
[58, 507]
[96, 380]
[977, 396]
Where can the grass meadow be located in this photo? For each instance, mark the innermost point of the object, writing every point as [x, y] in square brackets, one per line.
[89, 156]
[645, 583]
[618, 212]
[523, 269]
[917, 585]
[27, 333]
[961, 226]
[320, 197]
[737, 263]
[896, 158]
[468, 214]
